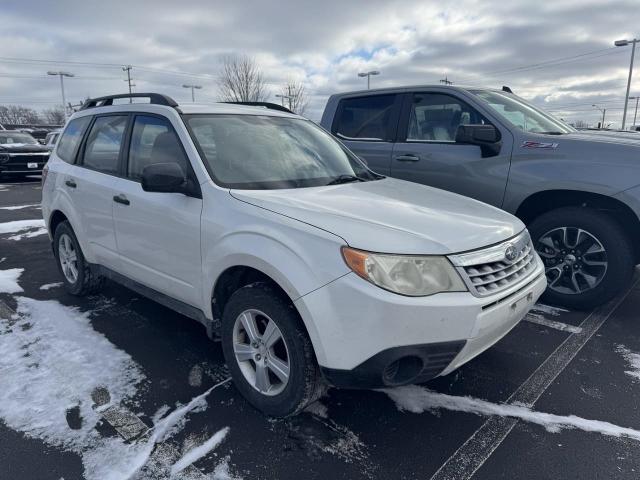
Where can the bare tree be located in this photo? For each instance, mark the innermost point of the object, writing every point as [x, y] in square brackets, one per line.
[580, 124]
[54, 116]
[16, 115]
[296, 94]
[241, 80]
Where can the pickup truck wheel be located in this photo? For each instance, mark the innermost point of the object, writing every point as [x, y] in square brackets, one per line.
[79, 278]
[587, 256]
[268, 351]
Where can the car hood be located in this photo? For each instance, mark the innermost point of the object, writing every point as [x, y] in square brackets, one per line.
[22, 148]
[630, 139]
[392, 216]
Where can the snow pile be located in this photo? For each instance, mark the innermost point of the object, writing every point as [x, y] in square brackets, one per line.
[33, 228]
[633, 359]
[418, 399]
[200, 451]
[9, 280]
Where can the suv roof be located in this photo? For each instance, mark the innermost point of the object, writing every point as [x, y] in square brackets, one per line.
[406, 88]
[105, 104]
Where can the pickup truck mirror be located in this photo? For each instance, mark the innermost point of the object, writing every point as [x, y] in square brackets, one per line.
[164, 177]
[487, 137]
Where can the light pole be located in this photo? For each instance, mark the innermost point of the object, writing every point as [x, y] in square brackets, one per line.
[61, 75]
[604, 112]
[624, 43]
[368, 75]
[635, 115]
[193, 89]
[282, 97]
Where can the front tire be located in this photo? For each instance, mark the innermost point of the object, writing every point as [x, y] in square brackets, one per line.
[79, 279]
[268, 351]
[588, 258]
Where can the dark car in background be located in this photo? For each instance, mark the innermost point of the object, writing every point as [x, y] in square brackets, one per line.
[20, 154]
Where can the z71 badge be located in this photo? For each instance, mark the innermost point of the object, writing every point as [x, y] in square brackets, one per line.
[532, 144]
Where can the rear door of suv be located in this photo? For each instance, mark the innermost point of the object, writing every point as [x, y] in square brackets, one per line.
[426, 151]
[367, 125]
[90, 184]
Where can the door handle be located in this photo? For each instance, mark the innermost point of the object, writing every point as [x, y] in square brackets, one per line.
[408, 158]
[121, 199]
[70, 183]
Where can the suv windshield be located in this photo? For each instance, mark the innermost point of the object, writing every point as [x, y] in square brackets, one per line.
[264, 152]
[523, 115]
[8, 138]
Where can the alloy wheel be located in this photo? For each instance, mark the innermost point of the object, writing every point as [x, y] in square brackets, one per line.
[575, 260]
[68, 258]
[261, 352]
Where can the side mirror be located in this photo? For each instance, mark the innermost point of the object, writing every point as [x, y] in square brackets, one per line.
[487, 137]
[164, 177]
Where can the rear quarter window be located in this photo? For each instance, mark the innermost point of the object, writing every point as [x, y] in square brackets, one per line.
[371, 118]
[71, 137]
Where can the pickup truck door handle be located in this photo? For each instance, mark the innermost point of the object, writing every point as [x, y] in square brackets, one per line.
[121, 199]
[70, 183]
[408, 158]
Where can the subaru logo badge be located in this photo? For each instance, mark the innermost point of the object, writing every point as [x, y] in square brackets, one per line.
[511, 253]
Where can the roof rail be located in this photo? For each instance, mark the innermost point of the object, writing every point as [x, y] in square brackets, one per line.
[154, 98]
[269, 105]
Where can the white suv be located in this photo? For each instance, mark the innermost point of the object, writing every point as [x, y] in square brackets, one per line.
[262, 226]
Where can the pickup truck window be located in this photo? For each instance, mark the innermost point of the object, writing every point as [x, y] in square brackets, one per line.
[521, 114]
[265, 152]
[365, 118]
[435, 117]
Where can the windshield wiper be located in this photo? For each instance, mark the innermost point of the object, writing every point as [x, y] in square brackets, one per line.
[345, 179]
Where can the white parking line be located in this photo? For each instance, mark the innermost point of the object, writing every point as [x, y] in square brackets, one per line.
[540, 320]
[478, 448]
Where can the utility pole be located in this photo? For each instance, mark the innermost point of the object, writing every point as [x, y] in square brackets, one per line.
[623, 43]
[61, 75]
[127, 68]
[446, 81]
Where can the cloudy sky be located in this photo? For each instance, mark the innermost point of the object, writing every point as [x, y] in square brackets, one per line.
[558, 54]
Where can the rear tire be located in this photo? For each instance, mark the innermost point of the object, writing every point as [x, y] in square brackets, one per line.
[260, 304]
[588, 245]
[78, 276]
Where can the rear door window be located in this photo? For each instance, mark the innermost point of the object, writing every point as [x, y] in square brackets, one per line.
[102, 150]
[68, 144]
[370, 118]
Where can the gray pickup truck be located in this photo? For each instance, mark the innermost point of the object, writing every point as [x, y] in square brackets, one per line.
[578, 192]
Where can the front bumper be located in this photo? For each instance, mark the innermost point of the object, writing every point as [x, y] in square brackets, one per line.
[366, 337]
[23, 163]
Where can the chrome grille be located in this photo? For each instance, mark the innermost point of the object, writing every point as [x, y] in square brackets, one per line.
[489, 271]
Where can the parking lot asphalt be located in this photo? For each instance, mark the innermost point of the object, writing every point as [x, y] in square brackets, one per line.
[556, 398]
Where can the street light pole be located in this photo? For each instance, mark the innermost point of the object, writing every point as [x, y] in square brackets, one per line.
[604, 111]
[61, 75]
[368, 75]
[193, 88]
[624, 43]
[635, 115]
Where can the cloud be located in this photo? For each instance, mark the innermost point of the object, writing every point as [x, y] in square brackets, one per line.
[326, 43]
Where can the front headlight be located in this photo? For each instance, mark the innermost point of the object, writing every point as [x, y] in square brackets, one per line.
[410, 275]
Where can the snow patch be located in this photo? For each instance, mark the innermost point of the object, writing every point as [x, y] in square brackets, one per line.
[200, 451]
[318, 409]
[416, 399]
[32, 228]
[633, 360]
[222, 471]
[9, 280]
[49, 286]
[52, 361]
[548, 310]
[20, 207]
